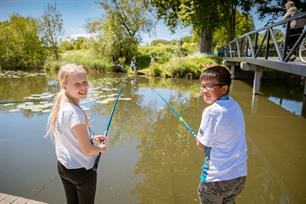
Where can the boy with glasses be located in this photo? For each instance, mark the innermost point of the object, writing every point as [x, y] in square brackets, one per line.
[221, 137]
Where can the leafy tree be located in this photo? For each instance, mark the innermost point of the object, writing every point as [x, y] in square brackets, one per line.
[205, 16]
[164, 42]
[51, 29]
[230, 12]
[202, 15]
[81, 43]
[276, 8]
[120, 29]
[66, 45]
[243, 24]
[20, 46]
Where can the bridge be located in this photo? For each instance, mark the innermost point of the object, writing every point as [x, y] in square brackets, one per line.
[267, 49]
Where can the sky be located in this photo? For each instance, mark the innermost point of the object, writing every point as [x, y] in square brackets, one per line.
[75, 13]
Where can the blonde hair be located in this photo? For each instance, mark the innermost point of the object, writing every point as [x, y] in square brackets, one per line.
[289, 4]
[63, 78]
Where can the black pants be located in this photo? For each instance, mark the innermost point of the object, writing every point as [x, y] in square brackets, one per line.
[294, 35]
[79, 184]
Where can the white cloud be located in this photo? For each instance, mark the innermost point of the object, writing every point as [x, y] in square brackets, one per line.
[74, 36]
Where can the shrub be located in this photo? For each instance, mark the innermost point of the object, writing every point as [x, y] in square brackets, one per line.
[155, 69]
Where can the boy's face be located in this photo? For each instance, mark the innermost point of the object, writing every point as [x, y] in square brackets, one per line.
[212, 90]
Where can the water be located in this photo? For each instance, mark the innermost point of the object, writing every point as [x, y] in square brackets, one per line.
[151, 157]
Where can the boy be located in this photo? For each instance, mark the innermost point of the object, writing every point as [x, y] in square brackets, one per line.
[222, 137]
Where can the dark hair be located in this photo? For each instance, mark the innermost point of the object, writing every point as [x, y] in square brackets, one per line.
[219, 73]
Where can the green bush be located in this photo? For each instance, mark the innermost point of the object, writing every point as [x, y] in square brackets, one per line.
[156, 69]
[183, 66]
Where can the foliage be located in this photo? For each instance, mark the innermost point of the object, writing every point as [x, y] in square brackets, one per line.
[156, 69]
[119, 32]
[87, 58]
[51, 29]
[66, 45]
[202, 15]
[244, 24]
[192, 65]
[189, 66]
[82, 43]
[163, 42]
[205, 16]
[160, 53]
[20, 47]
[78, 44]
[276, 8]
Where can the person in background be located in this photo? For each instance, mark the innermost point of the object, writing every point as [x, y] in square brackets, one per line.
[296, 26]
[134, 63]
[221, 137]
[69, 126]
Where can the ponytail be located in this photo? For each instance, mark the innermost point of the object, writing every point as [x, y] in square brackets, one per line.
[63, 77]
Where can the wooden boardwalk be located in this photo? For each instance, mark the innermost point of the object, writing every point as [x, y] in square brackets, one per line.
[6, 199]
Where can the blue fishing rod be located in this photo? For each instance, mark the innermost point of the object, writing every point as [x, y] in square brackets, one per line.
[95, 167]
[193, 133]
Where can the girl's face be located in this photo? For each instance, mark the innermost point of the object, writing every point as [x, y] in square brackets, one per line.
[77, 86]
[212, 90]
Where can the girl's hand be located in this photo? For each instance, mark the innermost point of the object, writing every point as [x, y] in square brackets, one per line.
[98, 139]
[103, 147]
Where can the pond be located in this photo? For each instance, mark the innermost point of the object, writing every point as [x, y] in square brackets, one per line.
[151, 156]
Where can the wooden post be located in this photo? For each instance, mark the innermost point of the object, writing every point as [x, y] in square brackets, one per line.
[233, 70]
[254, 106]
[257, 77]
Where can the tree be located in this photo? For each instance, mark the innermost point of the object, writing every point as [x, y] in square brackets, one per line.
[243, 24]
[202, 15]
[20, 46]
[51, 29]
[205, 16]
[119, 32]
[276, 8]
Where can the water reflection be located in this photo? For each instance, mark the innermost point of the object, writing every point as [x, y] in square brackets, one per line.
[151, 158]
[287, 94]
[169, 162]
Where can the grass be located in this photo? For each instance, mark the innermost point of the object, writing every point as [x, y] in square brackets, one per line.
[88, 58]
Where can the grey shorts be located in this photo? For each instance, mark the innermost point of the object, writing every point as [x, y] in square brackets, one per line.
[221, 192]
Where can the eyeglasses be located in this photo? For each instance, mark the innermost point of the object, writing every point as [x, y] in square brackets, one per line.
[209, 87]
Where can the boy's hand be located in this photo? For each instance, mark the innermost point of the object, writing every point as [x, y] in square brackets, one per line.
[200, 146]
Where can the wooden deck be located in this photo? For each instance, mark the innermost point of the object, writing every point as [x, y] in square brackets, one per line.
[5, 199]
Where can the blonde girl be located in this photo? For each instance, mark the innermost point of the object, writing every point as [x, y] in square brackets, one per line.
[69, 126]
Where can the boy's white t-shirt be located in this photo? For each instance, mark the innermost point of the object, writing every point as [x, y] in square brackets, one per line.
[223, 129]
[67, 146]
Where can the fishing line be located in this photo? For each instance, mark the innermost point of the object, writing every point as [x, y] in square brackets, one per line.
[191, 131]
[108, 124]
[45, 186]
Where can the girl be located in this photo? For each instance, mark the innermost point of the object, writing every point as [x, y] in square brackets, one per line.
[69, 125]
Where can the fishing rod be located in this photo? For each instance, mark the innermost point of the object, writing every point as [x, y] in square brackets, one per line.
[193, 133]
[95, 167]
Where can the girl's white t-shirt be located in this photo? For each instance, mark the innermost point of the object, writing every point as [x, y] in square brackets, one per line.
[67, 146]
[223, 129]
